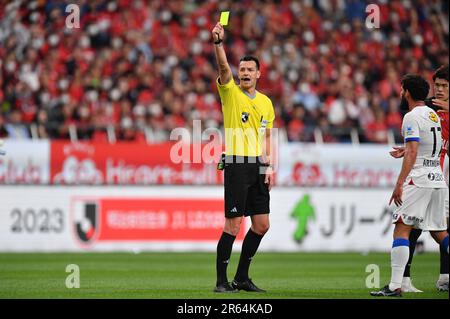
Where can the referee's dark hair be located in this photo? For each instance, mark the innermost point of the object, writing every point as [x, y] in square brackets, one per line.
[417, 86]
[441, 73]
[250, 58]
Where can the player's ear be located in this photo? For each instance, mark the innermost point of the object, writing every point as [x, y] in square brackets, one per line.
[407, 95]
[258, 74]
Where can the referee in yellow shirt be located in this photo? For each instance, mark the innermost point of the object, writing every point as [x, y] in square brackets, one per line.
[248, 119]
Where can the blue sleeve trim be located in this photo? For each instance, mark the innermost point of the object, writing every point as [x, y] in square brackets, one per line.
[412, 139]
[400, 242]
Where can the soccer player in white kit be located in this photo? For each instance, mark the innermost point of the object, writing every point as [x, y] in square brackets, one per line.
[439, 103]
[420, 190]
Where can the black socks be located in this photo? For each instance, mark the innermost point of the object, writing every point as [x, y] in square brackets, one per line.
[224, 248]
[249, 248]
[413, 237]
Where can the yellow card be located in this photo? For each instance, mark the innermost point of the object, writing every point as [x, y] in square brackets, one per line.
[224, 15]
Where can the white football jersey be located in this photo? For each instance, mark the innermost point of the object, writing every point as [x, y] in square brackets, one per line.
[423, 125]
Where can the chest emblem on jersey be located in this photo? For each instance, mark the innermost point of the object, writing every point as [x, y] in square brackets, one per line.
[244, 117]
[433, 117]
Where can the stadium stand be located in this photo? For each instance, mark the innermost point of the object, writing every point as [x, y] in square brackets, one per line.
[135, 69]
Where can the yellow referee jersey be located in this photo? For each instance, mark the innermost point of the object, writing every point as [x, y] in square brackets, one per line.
[245, 119]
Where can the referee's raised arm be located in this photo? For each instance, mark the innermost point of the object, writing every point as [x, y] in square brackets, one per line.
[221, 58]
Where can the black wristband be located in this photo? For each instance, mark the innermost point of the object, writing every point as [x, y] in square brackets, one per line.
[267, 165]
[218, 41]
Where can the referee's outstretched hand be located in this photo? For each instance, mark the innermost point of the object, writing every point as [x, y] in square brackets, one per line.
[218, 32]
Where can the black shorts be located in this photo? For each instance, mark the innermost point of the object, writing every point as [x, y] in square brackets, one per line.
[246, 194]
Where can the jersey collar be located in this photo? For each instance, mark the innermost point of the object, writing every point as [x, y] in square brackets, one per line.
[252, 97]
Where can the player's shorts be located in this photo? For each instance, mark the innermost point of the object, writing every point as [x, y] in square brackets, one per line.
[446, 206]
[422, 208]
[246, 194]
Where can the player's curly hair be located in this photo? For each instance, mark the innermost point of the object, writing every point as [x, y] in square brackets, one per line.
[441, 73]
[416, 85]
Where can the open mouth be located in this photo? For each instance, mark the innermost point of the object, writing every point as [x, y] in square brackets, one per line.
[245, 80]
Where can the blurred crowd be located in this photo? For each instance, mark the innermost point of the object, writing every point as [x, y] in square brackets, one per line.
[144, 68]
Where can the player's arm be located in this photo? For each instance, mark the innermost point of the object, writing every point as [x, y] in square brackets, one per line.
[218, 34]
[409, 159]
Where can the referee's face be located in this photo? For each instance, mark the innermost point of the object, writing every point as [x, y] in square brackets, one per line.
[248, 74]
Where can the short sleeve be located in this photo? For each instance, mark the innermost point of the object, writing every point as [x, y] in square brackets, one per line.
[410, 129]
[225, 90]
[225, 86]
[271, 115]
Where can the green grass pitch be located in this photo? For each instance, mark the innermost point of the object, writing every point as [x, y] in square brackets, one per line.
[192, 275]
